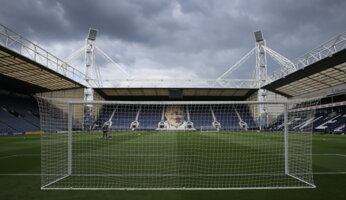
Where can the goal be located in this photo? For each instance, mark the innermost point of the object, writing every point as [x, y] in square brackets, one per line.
[116, 145]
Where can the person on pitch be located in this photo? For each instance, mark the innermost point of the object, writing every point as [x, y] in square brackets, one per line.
[105, 129]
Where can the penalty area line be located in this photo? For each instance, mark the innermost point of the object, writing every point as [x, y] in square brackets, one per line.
[33, 174]
[20, 174]
[331, 173]
[329, 154]
[19, 155]
[10, 156]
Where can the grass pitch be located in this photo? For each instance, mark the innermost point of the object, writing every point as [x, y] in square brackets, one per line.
[20, 165]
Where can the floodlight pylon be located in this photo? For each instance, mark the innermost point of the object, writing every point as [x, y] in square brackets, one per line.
[89, 66]
[262, 74]
[260, 71]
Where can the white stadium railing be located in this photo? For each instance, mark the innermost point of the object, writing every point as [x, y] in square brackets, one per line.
[25, 47]
[326, 49]
[180, 82]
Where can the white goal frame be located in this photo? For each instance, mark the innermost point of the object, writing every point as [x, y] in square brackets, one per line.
[70, 131]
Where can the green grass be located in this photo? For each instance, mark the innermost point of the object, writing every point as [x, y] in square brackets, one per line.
[174, 159]
[20, 165]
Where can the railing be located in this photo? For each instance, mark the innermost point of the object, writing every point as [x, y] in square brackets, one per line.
[326, 49]
[25, 47]
[180, 83]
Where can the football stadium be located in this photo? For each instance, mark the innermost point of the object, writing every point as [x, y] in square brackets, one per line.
[67, 133]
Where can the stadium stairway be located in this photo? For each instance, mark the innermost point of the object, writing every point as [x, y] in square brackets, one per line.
[245, 114]
[332, 123]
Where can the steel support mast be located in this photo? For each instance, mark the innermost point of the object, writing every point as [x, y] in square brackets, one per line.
[261, 75]
[89, 66]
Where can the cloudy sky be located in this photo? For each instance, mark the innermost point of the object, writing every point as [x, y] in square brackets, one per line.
[178, 38]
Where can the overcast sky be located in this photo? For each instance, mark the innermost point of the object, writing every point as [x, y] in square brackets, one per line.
[179, 38]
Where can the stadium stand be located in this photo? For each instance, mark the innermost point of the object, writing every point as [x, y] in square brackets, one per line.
[324, 121]
[149, 118]
[331, 123]
[246, 116]
[18, 113]
[122, 118]
[28, 76]
[196, 112]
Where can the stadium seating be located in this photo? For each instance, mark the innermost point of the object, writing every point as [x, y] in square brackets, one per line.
[122, 117]
[331, 123]
[149, 118]
[246, 116]
[4, 128]
[18, 113]
[200, 116]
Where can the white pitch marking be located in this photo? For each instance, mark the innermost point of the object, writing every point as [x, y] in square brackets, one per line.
[19, 155]
[29, 154]
[106, 175]
[329, 173]
[329, 154]
[10, 156]
[164, 155]
[20, 174]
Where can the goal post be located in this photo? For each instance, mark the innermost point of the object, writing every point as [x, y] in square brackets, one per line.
[149, 145]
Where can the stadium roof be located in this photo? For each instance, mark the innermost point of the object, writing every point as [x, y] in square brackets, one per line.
[23, 74]
[326, 73]
[174, 93]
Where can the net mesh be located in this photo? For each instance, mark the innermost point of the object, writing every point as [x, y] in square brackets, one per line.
[174, 145]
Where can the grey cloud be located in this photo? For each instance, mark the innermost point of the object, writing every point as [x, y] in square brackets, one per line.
[205, 37]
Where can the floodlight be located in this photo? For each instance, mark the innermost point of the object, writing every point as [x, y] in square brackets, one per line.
[92, 34]
[258, 36]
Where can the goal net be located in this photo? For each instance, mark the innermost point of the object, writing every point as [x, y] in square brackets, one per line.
[175, 145]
